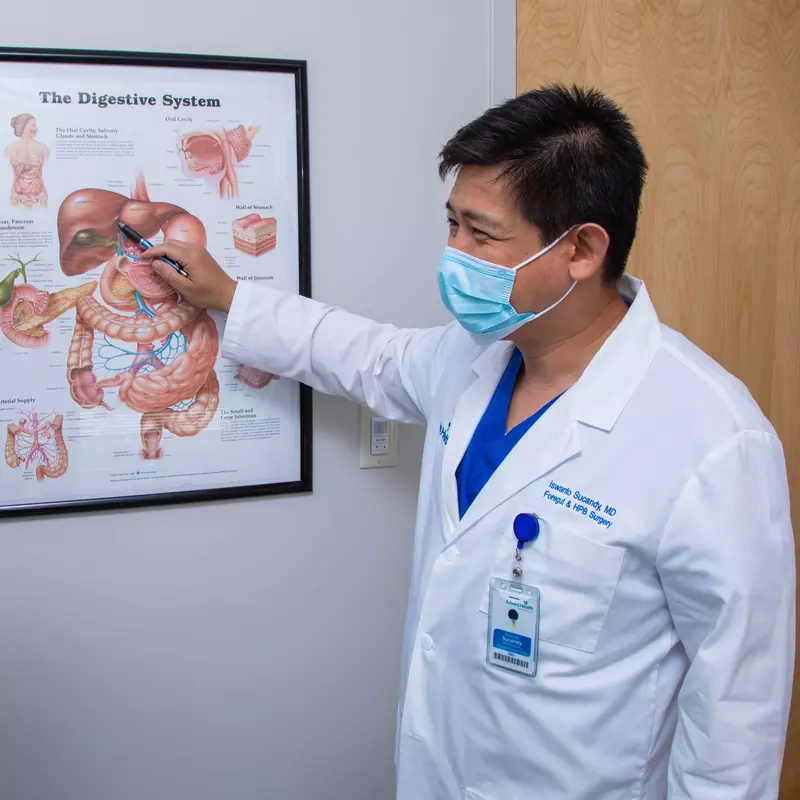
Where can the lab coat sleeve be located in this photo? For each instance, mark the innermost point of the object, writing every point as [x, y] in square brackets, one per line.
[388, 369]
[727, 565]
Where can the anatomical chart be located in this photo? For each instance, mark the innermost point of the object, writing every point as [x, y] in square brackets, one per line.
[112, 385]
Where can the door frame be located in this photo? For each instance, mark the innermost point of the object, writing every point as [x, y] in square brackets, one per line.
[502, 50]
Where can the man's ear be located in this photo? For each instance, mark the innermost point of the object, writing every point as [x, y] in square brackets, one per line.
[591, 245]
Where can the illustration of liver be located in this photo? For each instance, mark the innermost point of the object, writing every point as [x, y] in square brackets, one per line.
[158, 350]
[88, 234]
[255, 235]
[37, 442]
[213, 155]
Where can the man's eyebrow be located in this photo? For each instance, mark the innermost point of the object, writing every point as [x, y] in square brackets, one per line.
[478, 217]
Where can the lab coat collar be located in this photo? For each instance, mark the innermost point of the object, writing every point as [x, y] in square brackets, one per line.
[597, 399]
[608, 383]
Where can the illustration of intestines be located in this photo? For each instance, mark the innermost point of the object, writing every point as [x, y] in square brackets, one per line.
[37, 442]
[255, 235]
[25, 310]
[214, 155]
[253, 377]
[153, 346]
[27, 157]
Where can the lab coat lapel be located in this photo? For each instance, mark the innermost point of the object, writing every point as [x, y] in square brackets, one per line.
[552, 440]
[596, 400]
[488, 369]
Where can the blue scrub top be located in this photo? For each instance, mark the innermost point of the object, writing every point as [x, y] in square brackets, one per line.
[490, 443]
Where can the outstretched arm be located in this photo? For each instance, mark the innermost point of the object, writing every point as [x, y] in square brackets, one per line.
[391, 370]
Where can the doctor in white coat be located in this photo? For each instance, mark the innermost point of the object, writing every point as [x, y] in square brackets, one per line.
[578, 453]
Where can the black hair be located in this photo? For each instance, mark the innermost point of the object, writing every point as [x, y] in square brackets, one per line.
[569, 155]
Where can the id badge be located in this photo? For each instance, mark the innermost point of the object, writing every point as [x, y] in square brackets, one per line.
[513, 641]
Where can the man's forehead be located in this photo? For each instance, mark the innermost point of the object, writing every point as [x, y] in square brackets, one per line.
[480, 191]
[484, 180]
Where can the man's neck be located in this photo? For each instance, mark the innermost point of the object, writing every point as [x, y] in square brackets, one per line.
[555, 354]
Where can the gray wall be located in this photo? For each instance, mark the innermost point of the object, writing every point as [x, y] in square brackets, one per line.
[141, 651]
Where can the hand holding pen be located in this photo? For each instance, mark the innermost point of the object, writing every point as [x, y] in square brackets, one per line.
[201, 280]
[137, 237]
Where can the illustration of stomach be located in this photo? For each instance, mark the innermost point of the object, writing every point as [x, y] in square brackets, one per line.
[37, 442]
[255, 235]
[157, 349]
[213, 155]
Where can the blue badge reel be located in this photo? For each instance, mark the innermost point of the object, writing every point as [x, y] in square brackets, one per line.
[513, 637]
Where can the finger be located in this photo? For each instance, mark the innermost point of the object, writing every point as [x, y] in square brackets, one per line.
[170, 276]
[174, 250]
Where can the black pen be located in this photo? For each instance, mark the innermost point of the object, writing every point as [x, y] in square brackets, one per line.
[140, 240]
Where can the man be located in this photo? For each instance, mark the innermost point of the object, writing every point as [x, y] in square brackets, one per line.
[602, 599]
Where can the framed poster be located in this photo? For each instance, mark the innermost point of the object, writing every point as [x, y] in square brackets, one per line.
[113, 389]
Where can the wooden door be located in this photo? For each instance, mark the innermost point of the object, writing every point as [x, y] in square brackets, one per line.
[713, 89]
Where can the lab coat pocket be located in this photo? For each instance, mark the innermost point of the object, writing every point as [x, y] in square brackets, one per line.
[576, 577]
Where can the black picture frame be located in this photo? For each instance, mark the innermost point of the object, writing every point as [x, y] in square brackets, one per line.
[297, 68]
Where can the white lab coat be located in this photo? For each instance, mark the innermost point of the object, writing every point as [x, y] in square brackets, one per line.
[665, 561]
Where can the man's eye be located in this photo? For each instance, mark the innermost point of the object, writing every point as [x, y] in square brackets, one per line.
[480, 235]
[452, 223]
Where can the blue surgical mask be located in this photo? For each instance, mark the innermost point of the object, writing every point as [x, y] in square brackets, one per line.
[478, 293]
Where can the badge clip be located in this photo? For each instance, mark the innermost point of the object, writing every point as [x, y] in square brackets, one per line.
[526, 529]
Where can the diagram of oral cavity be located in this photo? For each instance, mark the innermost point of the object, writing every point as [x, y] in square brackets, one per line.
[254, 235]
[214, 154]
[37, 443]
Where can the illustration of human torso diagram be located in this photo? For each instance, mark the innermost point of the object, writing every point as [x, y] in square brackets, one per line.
[112, 383]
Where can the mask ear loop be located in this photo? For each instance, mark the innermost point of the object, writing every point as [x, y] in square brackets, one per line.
[549, 247]
[545, 250]
[551, 307]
